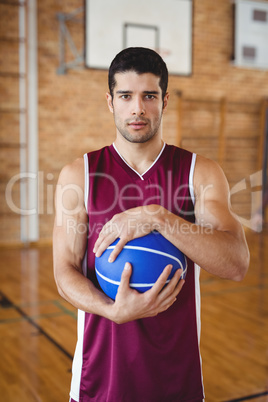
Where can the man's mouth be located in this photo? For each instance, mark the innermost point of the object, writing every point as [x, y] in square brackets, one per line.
[137, 125]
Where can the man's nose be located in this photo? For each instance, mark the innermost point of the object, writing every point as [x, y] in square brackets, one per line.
[138, 107]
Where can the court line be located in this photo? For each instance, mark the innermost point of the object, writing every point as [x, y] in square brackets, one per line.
[65, 310]
[209, 293]
[33, 317]
[8, 303]
[247, 398]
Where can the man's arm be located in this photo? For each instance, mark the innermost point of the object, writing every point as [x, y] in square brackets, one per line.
[216, 241]
[70, 240]
[69, 247]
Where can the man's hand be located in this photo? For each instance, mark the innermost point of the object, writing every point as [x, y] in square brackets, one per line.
[127, 225]
[131, 305]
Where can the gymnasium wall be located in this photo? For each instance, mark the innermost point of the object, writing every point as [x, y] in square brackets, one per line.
[217, 111]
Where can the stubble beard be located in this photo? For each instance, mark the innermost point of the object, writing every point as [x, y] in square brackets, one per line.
[138, 137]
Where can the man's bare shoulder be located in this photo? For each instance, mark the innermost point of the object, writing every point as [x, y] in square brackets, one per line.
[73, 173]
[205, 163]
[209, 179]
[207, 170]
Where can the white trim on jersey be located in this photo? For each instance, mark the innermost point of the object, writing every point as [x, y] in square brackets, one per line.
[191, 178]
[197, 300]
[86, 188]
[196, 270]
[78, 355]
[77, 361]
[198, 314]
[140, 175]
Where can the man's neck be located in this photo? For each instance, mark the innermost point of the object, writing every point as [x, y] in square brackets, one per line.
[140, 156]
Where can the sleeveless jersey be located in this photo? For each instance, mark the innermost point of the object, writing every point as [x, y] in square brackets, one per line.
[156, 359]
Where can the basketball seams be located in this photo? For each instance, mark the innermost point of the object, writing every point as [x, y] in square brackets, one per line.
[132, 284]
[149, 250]
[149, 253]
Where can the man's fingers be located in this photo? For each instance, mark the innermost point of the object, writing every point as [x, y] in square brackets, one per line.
[169, 293]
[117, 249]
[125, 277]
[156, 300]
[172, 288]
[162, 279]
[108, 234]
[102, 243]
[176, 279]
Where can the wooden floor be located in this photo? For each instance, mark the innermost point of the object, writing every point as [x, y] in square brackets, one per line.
[38, 330]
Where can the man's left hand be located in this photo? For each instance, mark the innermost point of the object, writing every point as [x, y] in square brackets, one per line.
[127, 225]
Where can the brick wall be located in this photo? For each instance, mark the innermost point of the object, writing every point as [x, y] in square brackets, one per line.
[73, 115]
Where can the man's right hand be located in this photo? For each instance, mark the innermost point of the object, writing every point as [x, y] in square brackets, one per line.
[131, 305]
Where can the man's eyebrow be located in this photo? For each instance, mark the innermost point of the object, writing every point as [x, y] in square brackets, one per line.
[151, 92]
[122, 92]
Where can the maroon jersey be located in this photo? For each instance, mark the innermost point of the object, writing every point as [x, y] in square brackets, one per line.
[155, 359]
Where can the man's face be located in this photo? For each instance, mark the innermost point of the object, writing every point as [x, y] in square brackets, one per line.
[137, 106]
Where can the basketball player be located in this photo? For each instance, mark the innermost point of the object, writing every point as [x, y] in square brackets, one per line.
[142, 347]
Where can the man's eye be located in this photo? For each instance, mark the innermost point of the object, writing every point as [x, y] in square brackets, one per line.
[150, 96]
[125, 96]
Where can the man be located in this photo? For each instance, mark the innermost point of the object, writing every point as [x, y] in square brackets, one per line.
[142, 346]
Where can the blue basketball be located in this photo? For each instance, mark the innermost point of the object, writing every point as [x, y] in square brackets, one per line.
[148, 255]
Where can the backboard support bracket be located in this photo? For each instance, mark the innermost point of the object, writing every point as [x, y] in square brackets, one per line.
[65, 38]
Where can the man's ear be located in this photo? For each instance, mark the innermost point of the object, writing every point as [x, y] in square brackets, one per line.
[110, 102]
[165, 101]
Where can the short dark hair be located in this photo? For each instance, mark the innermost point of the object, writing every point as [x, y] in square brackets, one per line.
[140, 60]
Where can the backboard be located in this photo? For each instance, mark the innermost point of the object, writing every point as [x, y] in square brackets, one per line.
[250, 36]
[162, 25]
